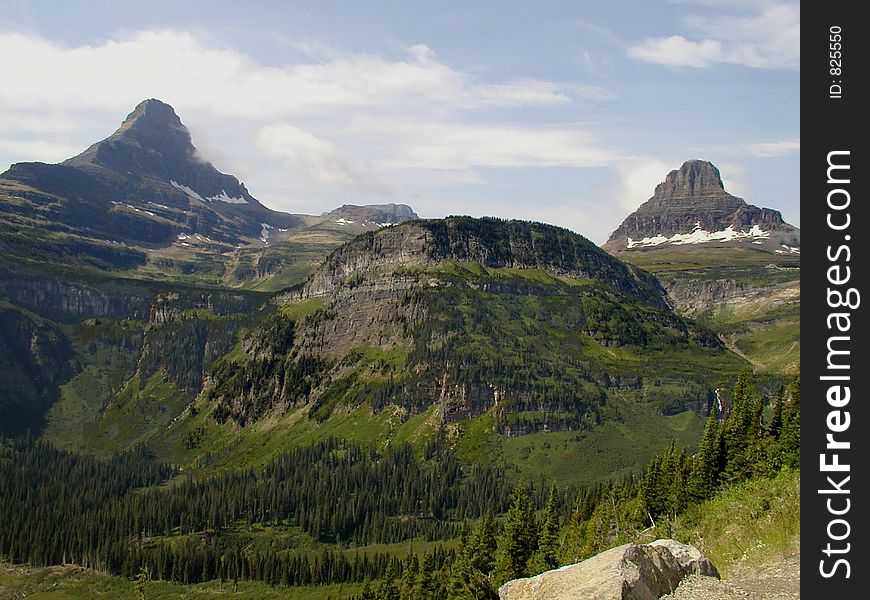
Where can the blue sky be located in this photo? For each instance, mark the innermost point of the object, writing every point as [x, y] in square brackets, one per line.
[563, 112]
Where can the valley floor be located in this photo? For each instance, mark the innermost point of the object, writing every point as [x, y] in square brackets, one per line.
[77, 583]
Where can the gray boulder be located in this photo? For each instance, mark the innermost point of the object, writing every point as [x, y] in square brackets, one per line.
[628, 572]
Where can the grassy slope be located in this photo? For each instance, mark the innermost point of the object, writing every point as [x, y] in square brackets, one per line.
[755, 522]
[765, 333]
[76, 583]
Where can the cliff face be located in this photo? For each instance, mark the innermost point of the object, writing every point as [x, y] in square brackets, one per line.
[470, 316]
[45, 340]
[693, 296]
[34, 359]
[692, 208]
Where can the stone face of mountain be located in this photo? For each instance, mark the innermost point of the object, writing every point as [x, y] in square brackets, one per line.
[465, 318]
[691, 208]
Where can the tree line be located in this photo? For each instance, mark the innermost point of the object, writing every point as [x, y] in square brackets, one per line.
[120, 515]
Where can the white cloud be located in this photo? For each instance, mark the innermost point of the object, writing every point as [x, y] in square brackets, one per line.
[776, 148]
[288, 112]
[677, 51]
[37, 150]
[766, 39]
[305, 156]
[428, 144]
[532, 92]
[638, 178]
[734, 179]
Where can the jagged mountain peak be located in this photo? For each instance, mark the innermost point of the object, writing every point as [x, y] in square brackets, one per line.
[151, 113]
[152, 141]
[692, 207]
[694, 179]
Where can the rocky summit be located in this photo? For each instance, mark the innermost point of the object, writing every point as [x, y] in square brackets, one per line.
[145, 183]
[691, 208]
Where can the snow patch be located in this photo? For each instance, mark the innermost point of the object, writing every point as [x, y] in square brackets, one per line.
[700, 236]
[385, 224]
[187, 190]
[264, 232]
[791, 249]
[343, 221]
[160, 205]
[223, 197]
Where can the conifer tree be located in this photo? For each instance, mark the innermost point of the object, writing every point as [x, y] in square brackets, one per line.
[519, 537]
[704, 476]
[388, 589]
[547, 556]
[426, 585]
[790, 436]
[776, 413]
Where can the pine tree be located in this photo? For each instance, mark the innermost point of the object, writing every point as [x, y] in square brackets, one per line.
[704, 476]
[388, 589]
[790, 435]
[740, 428]
[427, 584]
[470, 578]
[519, 537]
[547, 556]
[483, 545]
[776, 409]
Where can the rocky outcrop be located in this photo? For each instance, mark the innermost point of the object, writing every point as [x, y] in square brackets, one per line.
[490, 242]
[376, 215]
[691, 296]
[68, 301]
[628, 572]
[691, 207]
[72, 301]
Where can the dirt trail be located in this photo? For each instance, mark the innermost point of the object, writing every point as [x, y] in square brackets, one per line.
[775, 581]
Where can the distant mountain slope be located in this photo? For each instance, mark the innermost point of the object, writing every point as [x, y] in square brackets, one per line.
[144, 184]
[495, 332]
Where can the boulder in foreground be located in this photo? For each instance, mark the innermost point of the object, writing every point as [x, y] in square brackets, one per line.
[627, 572]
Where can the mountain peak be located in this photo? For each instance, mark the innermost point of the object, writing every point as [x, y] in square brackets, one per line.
[692, 207]
[152, 141]
[152, 113]
[694, 179]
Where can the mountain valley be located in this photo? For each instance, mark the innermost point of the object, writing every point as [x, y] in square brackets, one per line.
[319, 400]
